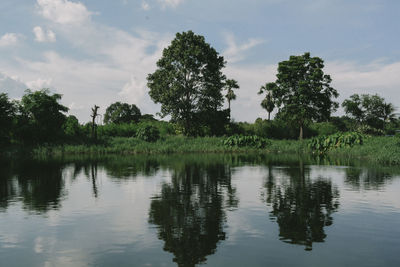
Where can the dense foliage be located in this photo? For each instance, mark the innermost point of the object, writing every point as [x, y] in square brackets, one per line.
[148, 133]
[41, 117]
[246, 141]
[370, 110]
[7, 114]
[122, 113]
[324, 143]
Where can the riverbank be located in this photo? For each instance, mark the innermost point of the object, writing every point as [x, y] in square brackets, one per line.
[378, 150]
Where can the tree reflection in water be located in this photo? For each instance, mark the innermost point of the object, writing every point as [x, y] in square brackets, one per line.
[301, 206]
[367, 179]
[190, 211]
[39, 184]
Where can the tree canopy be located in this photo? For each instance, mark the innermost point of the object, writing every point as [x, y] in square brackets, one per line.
[41, 113]
[302, 91]
[230, 94]
[369, 109]
[268, 102]
[7, 113]
[122, 113]
[188, 81]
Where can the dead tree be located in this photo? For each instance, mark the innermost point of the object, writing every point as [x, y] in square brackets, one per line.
[94, 115]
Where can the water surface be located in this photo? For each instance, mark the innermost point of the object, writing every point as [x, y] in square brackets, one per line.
[185, 210]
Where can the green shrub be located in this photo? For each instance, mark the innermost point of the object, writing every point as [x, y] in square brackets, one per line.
[148, 133]
[324, 128]
[249, 141]
[339, 140]
[366, 129]
[113, 129]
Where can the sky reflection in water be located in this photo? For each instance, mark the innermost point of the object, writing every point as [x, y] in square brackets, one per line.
[190, 209]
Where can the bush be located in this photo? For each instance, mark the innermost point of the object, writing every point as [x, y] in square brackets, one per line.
[339, 140]
[249, 141]
[366, 129]
[324, 128]
[276, 129]
[148, 133]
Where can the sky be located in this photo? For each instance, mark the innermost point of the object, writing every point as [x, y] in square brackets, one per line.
[101, 51]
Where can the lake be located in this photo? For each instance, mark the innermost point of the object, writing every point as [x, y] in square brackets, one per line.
[186, 210]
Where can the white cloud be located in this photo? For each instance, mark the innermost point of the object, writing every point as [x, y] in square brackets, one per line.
[250, 78]
[13, 86]
[39, 84]
[134, 90]
[116, 57]
[234, 52]
[74, 106]
[63, 11]
[9, 39]
[44, 36]
[170, 3]
[374, 78]
[145, 6]
[38, 245]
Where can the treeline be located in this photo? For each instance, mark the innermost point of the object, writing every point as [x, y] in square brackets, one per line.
[191, 88]
[40, 119]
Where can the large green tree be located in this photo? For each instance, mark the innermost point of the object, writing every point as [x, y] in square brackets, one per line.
[302, 91]
[188, 81]
[122, 113]
[41, 117]
[369, 109]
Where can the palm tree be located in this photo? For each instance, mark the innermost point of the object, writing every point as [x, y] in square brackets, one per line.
[230, 95]
[268, 103]
[388, 110]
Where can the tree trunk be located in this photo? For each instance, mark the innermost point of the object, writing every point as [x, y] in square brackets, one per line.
[94, 177]
[94, 115]
[301, 132]
[269, 116]
[229, 107]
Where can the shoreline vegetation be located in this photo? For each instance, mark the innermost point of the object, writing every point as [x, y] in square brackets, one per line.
[375, 149]
[192, 90]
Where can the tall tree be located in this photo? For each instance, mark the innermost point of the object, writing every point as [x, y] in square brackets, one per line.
[268, 102]
[188, 80]
[369, 109]
[230, 94]
[121, 113]
[302, 91]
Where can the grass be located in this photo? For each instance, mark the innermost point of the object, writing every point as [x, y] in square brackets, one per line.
[169, 144]
[382, 150]
[379, 150]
